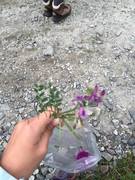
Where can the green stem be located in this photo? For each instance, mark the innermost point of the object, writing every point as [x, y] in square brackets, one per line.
[71, 110]
[71, 129]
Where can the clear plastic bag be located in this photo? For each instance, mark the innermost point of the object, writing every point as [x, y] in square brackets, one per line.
[73, 152]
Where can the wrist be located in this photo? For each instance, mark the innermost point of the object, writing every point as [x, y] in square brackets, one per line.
[10, 168]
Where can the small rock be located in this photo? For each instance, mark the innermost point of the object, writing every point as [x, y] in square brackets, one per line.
[7, 138]
[102, 149]
[13, 122]
[100, 30]
[104, 169]
[32, 177]
[51, 169]
[21, 110]
[127, 46]
[36, 171]
[111, 151]
[44, 170]
[131, 141]
[115, 132]
[108, 104]
[50, 176]
[2, 115]
[107, 156]
[81, 62]
[96, 133]
[40, 177]
[1, 148]
[95, 123]
[4, 144]
[118, 33]
[132, 113]
[49, 51]
[115, 122]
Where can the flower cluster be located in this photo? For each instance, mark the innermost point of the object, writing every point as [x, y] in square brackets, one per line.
[72, 117]
[92, 99]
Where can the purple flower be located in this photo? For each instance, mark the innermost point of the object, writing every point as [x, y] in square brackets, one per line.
[96, 96]
[82, 154]
[82, 113]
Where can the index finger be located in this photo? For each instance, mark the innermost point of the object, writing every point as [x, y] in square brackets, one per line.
[42, 121]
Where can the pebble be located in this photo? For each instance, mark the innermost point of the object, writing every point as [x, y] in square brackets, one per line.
[95, 123]
[49, 51]
[115, 132]
[127, 46]
[132, 113]
[36, 171]
[4, 144]
[102, 149]
[115, 122]
[104, 169]
[96, 132]
[111, 151]
[40, 177]
[107, 156]
[100, 30]
[32, 177]
[2, 115]
[7, 138]
[21, 110]
[44, 170]
[131, 141]
[108, 104]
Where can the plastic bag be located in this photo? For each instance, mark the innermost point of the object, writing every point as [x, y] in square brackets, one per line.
[73, 152]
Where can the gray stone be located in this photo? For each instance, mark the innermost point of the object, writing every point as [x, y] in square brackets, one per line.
[111, 151]
[115, 132]
[118, 33]
[127, 46]
[32, 177]
[1, 148]
[131, 141]
[115, 122]
[107, 156]
[2, 115]
[44, 170]
[96, 132]
[49, 51]
[108, 104]
[36, 172]
[102, 149]
[21, 110]
[50, 176]
[100, 30]
[40, 177]
[104, 169]
[132, 113]
[95, 123]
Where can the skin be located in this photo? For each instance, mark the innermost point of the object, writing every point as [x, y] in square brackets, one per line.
[28, 145]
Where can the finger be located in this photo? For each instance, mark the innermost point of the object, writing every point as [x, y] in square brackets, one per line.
[42, 121]
[47, 134]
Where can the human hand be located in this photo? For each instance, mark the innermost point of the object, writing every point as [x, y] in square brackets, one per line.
[28, 145]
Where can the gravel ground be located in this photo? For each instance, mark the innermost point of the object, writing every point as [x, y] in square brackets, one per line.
[95, 44]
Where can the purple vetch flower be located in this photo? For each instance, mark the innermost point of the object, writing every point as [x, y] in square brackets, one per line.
[82, 113]
[82, 154]
[96, 96]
